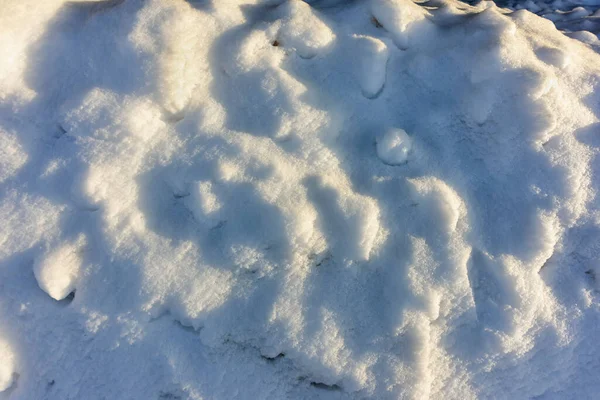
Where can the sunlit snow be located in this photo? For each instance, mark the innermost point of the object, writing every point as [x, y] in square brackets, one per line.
[285, 199]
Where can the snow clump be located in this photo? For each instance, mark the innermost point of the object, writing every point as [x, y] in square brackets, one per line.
[279, 199]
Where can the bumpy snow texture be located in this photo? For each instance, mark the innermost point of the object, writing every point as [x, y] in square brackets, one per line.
[371, 199]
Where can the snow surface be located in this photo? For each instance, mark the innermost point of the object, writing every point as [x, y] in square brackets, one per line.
[7, 367]
[57, 271]
[579, 19]
[200, 200]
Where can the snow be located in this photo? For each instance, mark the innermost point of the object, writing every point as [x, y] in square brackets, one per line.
[578, 19]
[371, 58]
[7, 367]
[301, 29]
[279, 199]
[57, 271]
[394, 146]
[405, 20]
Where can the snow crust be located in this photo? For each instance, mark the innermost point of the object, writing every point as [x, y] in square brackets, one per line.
[282, 199]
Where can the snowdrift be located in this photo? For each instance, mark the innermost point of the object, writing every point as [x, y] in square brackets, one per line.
[284, 199]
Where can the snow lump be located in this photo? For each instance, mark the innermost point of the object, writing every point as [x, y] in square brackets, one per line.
[394, 146]
[7, 366]
[57, 271]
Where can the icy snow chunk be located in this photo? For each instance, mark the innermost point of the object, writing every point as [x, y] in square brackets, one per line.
[58, 270]
[7, 366]
[372, 58]
[394, 146]
[404, 19]
[302, 29]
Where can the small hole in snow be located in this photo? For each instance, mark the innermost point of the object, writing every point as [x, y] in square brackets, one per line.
[67, 300]
[219, 225]
[320, 385]
[187, 328]
[591, 274]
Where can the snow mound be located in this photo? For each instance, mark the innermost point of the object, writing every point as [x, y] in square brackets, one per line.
[57, 271]
[578, 19]
[12, 156]
[302, 29]
[371, 57]
[230, 191]
[404, 19]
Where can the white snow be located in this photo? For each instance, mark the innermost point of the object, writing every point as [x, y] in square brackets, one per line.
[371, 58]
[285, 199]
[57, 271]
[301, 29]
[394, 146]
[7, 366]
[404, 19]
